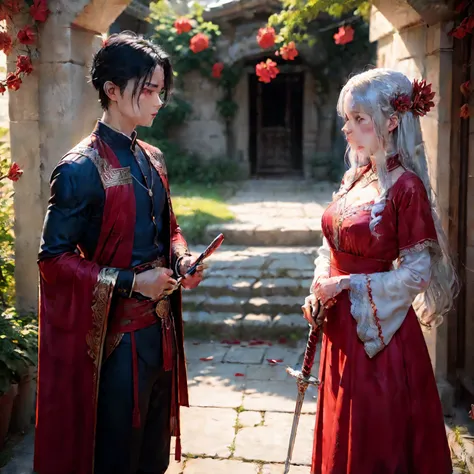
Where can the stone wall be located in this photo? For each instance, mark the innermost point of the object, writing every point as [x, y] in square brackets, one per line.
[204, 131]
[407, 44]
[53, 110]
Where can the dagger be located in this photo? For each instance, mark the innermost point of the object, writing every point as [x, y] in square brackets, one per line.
[303, 380]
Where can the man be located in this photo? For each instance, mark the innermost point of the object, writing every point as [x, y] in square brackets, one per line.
[112, 371]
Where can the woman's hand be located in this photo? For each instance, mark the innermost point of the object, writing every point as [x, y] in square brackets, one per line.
[311, 310]
[326, 289]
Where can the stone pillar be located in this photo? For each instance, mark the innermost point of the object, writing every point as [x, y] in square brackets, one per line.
[406, 44]
[53, 110]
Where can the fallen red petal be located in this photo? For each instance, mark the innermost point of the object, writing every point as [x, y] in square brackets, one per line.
[275, 361]
[238, 374]
[205, 359]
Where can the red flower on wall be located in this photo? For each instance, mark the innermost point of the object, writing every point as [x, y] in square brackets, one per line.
[466, 27]
[26, 35]
[13, 81]
[183, 25]
[465, 113]
[39, 10]
[466, 88]
[344, 35]
[217, 70]
[199, 42]
[6, 43]
[23, 64]
[266, 37]
[15, 172]
[266, 71]
[13, 6]
[288, 51]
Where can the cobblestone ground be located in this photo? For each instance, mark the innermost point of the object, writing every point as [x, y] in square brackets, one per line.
[240, 416]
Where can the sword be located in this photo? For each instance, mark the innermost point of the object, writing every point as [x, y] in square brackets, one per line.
[303, 380]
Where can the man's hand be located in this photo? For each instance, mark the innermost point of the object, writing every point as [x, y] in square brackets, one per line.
[191, 281]
[155, 283]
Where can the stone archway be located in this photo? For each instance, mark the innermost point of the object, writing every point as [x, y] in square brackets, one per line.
[54, 109]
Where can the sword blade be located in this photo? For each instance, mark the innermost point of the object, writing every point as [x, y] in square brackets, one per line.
[294, 429]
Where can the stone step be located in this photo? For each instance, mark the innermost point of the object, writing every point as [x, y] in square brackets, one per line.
[251, 284]
[285, 232]
[273, 305]
[250, 326]
[248, 287]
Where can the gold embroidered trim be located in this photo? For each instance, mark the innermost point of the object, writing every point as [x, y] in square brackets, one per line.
[158, 161]
[100, 308]
[109, 176]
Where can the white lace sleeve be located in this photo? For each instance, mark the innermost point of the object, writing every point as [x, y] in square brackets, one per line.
[380, 301]
[322, 263]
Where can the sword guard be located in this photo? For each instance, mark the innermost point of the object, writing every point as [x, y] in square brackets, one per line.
[301, 380]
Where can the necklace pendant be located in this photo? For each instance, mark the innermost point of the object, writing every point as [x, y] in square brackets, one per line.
[150, 193]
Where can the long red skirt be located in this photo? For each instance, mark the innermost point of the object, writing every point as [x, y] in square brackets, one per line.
[381, 415]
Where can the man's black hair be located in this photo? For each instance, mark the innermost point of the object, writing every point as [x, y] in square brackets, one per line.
[126, 56]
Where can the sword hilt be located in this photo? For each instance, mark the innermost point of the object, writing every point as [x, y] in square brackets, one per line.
[310, 352]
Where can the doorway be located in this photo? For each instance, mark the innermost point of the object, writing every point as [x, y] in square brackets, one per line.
[276, 125]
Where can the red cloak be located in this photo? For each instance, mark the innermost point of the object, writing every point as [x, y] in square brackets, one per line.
[75, 298]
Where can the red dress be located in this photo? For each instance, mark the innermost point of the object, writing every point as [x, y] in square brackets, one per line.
[380, 414]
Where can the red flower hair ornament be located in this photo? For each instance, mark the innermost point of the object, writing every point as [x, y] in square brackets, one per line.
[420, 102]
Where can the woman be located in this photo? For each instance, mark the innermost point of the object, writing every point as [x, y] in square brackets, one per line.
[384, 249]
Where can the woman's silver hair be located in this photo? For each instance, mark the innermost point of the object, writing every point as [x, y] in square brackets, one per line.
[372, 91]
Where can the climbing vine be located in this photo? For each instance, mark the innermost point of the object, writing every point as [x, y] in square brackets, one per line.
[464, 27]
[192, 43]
[22, 39]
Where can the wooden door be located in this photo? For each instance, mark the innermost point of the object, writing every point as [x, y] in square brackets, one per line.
[279, 125]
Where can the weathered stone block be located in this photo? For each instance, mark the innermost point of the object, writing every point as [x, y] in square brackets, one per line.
[208, 431]
[98, 15]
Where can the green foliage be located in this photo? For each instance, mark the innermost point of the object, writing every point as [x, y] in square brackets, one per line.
[7, 266]
[177, 45]
[18, 347]
[296, 15]
[191, 168]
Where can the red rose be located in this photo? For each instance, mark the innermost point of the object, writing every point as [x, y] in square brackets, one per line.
[344, 35]
[217, 70]
[183, 25]
[198, 43]
[26, 35]
[13, 6]
[266, 71]
[13, 81]
[288, 51]
[465, 113]
[15, 172]
[39, 10]
[23, 64]
[266, 37]
[6, 43]
[2, 88]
